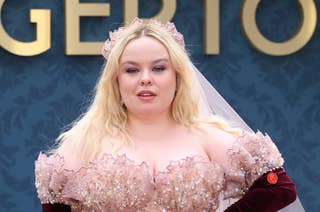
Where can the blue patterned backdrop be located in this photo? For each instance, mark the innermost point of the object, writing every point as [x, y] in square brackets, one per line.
[41, 94]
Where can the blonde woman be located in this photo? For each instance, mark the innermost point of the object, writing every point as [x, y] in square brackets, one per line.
[154, 140]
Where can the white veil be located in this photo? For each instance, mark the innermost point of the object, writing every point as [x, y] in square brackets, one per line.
[212, 103]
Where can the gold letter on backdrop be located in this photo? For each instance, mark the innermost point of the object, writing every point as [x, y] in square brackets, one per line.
[75, 9]
[165, 14]
[301, 38]
[211, 30]
[42, 42]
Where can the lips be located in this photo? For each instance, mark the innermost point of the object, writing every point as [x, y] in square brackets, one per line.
[146, 93]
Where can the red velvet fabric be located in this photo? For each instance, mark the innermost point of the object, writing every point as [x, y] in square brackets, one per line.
[55, 208]
[265, 197]
[262, 196]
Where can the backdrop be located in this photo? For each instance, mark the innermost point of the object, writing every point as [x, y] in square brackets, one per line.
[42, 94]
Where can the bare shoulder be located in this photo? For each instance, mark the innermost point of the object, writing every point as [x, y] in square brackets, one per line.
[71, 162]
[217, 136]
[216, 142]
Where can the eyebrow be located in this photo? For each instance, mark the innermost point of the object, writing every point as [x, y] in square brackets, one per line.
[160, 60]
[155, 61]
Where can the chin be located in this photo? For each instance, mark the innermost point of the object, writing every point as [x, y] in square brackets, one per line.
[148, 111]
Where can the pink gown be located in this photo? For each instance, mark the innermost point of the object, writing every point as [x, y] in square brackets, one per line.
[190, 184]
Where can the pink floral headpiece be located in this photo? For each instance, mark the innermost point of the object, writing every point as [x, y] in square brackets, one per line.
[115, 35]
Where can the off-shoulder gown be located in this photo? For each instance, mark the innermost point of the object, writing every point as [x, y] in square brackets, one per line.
[253, 175]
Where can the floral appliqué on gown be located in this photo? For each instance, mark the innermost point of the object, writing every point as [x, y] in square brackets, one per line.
[190, 184]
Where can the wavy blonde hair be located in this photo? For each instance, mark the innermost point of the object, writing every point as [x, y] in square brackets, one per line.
[106, 118]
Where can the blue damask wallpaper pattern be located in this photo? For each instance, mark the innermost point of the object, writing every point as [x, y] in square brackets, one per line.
[42, 94]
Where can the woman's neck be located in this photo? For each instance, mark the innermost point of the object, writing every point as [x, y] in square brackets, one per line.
[150, 127]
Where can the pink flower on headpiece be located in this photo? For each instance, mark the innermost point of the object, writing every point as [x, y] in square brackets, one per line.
[171, 28]
[115, 35]
[109, 43]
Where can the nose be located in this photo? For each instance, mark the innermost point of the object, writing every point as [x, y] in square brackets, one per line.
[146, 79]
[145, 82]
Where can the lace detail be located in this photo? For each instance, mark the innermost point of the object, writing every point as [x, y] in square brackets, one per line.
[120, 184]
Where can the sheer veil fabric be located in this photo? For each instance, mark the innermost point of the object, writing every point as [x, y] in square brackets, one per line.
[212, 103]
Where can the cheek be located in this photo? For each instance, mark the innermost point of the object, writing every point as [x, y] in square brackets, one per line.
[126, 86]
[169, 86]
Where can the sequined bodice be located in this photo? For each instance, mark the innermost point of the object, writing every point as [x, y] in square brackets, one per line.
[190, 184]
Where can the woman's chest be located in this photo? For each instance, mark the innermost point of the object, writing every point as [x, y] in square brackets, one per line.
[119, 183]
[159, 155]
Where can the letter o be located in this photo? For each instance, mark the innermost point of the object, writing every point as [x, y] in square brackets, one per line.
[296, 42]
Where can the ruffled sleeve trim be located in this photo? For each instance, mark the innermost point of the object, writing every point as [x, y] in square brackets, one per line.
[251, 155]
[51, 178]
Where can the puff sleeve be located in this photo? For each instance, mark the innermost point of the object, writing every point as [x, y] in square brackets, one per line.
[251, 157]
[51, 180]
